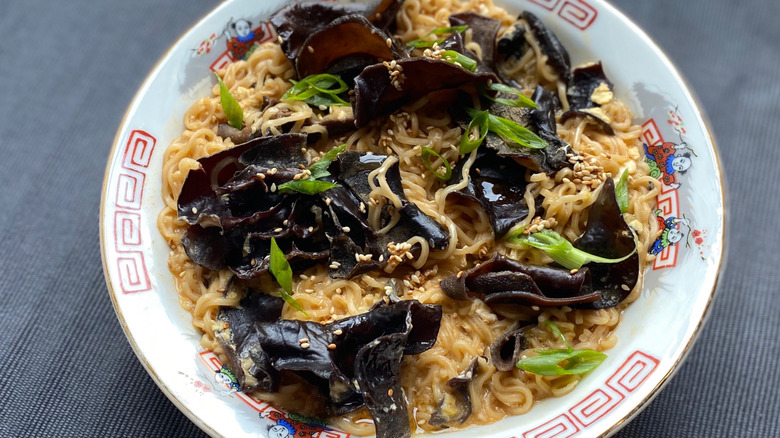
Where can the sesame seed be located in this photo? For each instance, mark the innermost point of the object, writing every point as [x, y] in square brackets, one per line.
[535, 308]
[311, 229]
[194, 210]
[310, 49]
[279, 38]
[390, 392]
[338, 332]
[285, 222]
[331, 346]
[389, 43]
[625, 287]
[305, 345]
[573, 271]
[278, 230]
[346, 229]
[273, 187]
[301, 341]
[253, 262]
[460, 274]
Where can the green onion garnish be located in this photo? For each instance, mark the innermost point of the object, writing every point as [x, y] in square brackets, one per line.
[282, 272]
[621, 191]
[420, 42]
[560, 249]
[426, 153]
[318, 90]
[560, 362]
[312, 186]
[521, 101]
[510, 131]
[457, 58]
[230, 106]
[479, 120]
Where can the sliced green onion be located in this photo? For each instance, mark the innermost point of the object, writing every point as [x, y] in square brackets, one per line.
[557, 331]
[306, 186]
[560, 249]
[562, 362]
[230, 106]
[320, 168]
[510, 131]
[621, 191]
[558, 362]
[515, 133]
[426, 153]
[457, 58]
[318, 90]
[282, 272]
[521, 101]
[420, 42]
[312, 186]
[480, 121]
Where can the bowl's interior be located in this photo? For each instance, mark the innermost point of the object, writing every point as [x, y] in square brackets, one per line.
[656, 330]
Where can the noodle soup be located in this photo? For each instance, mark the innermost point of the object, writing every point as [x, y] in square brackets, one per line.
[558, 200]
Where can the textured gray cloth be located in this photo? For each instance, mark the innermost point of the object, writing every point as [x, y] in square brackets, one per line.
[70, 69]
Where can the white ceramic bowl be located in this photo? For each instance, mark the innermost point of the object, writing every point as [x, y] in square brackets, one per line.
[657, 330]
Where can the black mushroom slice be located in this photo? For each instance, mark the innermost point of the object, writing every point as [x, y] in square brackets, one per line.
[506, 350]
[382, 14]
[588, 90]
[607, 235]
[557, 56]
[362, 369]
[235, 330]
[296, 21]
[483, 32]
[502, 280]
[199, 203]
[355, 169]
[541, 120]
[376, 95]
[456, 408]
[348, 43]
[498, 185]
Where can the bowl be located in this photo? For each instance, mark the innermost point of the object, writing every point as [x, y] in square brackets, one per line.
[654, 337]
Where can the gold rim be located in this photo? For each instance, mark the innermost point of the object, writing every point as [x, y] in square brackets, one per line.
[619, 424]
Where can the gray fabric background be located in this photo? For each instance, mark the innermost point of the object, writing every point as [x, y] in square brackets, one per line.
[69, 69]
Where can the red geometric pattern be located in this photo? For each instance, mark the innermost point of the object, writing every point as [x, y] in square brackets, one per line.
[633, 372]
[668, 200]
[651, 135]
[578, 13]
[669, 203]
[559, 427]
[596, 405]
[137, 154]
